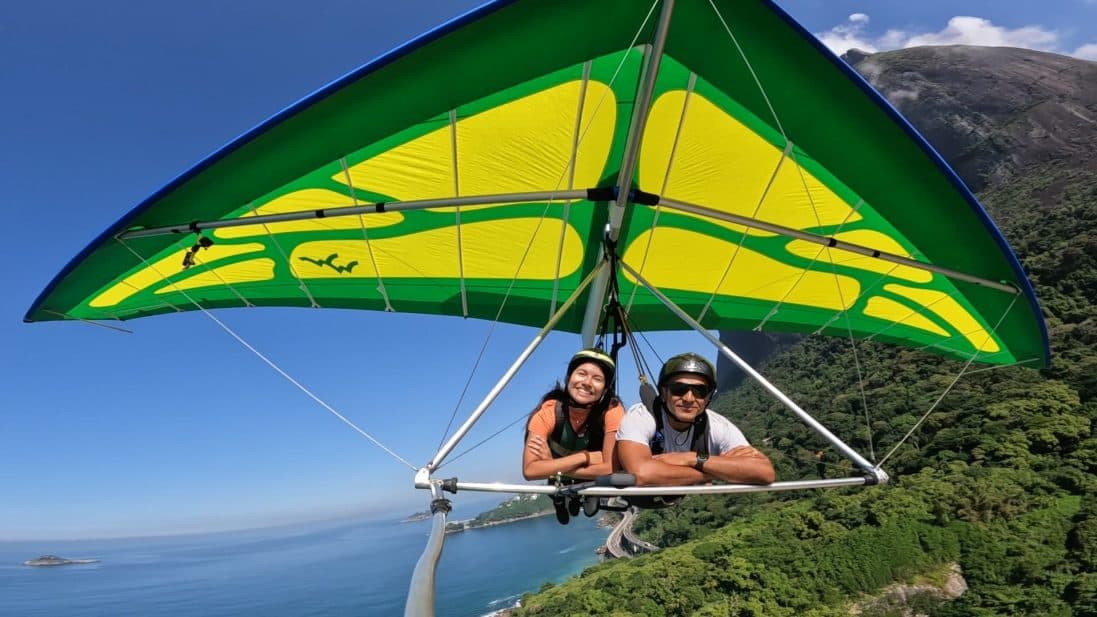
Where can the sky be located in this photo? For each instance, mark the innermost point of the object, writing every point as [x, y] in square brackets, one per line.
[176, 427]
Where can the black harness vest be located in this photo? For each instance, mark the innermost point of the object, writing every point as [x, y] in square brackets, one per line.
[564, 440]
[698, 444]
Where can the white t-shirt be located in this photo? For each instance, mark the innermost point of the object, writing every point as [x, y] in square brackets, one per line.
[639, 425]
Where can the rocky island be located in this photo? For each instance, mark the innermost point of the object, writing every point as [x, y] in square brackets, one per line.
[54, 560]
[418, 516]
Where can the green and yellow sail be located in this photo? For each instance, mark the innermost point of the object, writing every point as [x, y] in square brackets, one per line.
[749, 117]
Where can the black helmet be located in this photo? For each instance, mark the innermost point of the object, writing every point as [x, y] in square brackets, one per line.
[688, 362]
[599, 357]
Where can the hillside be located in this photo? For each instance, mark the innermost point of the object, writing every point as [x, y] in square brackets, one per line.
[999, 481]
[517, 508]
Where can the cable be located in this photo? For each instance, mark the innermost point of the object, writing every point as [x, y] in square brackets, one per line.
[265, 359]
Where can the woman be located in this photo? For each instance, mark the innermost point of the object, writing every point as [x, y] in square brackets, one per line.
[573, 432]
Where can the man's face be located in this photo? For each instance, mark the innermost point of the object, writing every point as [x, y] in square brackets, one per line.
[686, 396]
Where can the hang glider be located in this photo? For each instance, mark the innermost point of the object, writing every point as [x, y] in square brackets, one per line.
[711, 161]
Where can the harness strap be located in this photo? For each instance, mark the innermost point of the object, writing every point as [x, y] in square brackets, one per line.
[699, 442]
[564, 440]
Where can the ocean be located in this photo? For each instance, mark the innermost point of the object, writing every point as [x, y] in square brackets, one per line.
[331, 569]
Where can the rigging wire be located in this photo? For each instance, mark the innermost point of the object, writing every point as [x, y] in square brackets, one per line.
[950, 386]
[522, 416]
[570, 172]
[365, 236]
[264, 358]
[293, 271]
[544, 214]
[193, 258]
[691, 84]
[619, 336]
[90, 322]
[635, 330]
[750, 68]
[998, 366]
[746, 231]
[788, 144]
[842, 302]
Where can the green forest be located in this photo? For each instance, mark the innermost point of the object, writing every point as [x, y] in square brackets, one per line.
[998, 483]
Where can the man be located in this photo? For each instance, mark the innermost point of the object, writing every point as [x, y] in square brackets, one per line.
[681, 441]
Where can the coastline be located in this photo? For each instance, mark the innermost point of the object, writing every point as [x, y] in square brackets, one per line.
[479, 573]
[467, 525]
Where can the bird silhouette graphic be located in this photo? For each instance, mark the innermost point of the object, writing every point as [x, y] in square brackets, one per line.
[330, 262]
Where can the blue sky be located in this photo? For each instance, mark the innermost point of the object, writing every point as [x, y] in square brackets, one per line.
[177, 427]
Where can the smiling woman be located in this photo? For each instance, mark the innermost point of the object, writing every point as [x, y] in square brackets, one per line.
[572, 435]
[573, 432]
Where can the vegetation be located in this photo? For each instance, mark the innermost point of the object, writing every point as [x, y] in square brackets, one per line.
[1000, 479]
[516, 508]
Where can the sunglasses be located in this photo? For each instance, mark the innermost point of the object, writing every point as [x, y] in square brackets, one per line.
[699, 390]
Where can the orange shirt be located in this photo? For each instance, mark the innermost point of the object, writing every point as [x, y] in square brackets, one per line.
[543, 421]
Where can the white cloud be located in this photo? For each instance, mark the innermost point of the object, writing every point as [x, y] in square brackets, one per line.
[848, 36]
[960, 30]
[978, 31]
[1086, 52]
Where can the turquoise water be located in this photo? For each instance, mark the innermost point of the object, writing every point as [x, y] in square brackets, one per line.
[328, 569]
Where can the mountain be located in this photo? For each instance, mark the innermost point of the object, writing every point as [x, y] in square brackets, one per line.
[997, 115]
[994, 113]
[998, 485]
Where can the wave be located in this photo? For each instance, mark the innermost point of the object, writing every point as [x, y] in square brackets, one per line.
[501, 605]
[568, 549]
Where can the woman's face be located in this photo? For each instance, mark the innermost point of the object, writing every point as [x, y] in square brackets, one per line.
[587, 383]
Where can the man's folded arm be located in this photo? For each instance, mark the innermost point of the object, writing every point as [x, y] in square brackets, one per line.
[742, 465]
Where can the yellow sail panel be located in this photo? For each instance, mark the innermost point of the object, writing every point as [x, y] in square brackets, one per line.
[798, 200]
[419, 169]
[250, 271]
[948, 309]
[524, 145]
[307, 200]
[867, 238]
[890, 310]
[164, 268]
[695, 152]
[491, 250]
[752, 274]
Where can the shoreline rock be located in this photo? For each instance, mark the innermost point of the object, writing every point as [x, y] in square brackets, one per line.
[900, 596]
[54, 560]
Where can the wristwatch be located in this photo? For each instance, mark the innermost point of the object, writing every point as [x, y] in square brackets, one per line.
[701, 460]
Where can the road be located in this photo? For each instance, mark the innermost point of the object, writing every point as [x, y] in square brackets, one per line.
[634, 539]
[623, 529]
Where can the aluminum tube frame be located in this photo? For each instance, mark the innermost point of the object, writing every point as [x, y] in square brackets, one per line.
[444, 451]
[594, 307]
[628, 165]
[828, 241]
[639, 121]
[726, 351]
[420, 601]
[706, 489]
[378, 208]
